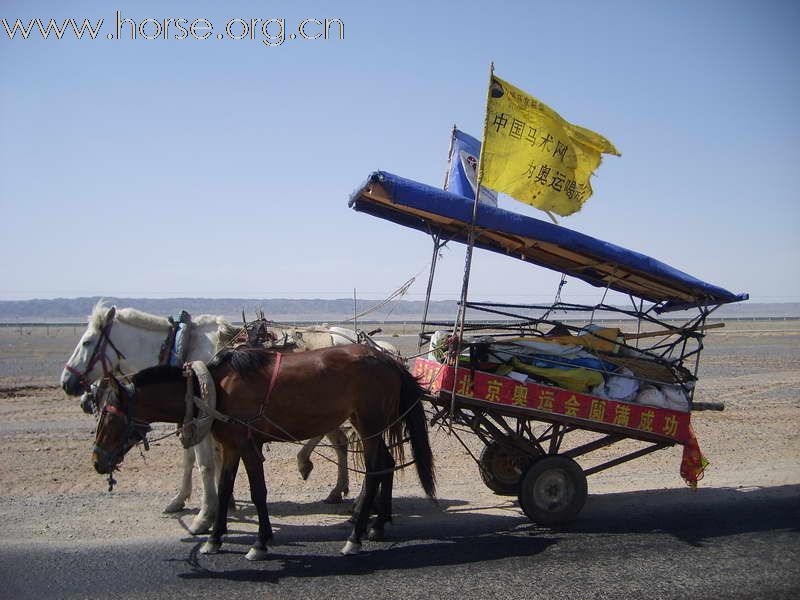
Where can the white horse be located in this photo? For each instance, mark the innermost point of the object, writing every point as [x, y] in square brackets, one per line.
[128, 340]
[313, 338]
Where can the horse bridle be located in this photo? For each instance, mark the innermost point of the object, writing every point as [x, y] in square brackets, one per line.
[98, 355]
[135, 431]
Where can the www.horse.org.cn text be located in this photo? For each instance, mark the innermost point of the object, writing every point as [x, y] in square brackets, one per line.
[271, 32]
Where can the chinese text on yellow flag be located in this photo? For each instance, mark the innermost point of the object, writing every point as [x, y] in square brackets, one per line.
[535, 156]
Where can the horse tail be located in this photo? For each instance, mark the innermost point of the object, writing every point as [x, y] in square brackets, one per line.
[417, 429]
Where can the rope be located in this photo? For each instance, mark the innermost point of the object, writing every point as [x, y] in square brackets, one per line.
[409, 357]
[557, 299]
[166, 435]
[293, 440]
[398, 293]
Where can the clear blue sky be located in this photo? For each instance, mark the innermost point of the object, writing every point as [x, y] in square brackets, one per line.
[223, 168]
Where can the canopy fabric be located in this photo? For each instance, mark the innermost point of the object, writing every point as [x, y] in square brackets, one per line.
[599, 263]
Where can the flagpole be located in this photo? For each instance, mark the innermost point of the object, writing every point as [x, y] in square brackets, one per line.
[462, 312]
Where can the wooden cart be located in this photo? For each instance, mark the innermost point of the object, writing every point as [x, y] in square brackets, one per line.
[526, 427]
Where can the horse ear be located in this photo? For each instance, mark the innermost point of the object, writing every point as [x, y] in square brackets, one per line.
[112, 312]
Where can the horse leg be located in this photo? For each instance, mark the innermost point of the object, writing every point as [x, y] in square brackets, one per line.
[304, 464]
[230, 464]
[360, 499]
[204, 452]
[338, 440]
[179, 501]
[371, 462]
[384, 501]
[356, 506]
[258, 493]
[218, 470]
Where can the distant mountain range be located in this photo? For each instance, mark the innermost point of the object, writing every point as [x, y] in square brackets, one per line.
[277, 309]
[289, 310]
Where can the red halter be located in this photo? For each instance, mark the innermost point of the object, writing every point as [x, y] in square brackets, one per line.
[114, 410]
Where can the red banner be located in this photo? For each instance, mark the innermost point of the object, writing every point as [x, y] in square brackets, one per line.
[479, 385]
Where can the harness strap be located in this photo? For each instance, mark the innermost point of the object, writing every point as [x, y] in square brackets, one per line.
[211, 411]
[194, 429]
[274, 378]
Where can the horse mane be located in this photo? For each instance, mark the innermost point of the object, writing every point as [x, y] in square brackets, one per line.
[245, 362]
[156, 375]
[225, 333]
[97, 318]
[142, 320]
[203, 320]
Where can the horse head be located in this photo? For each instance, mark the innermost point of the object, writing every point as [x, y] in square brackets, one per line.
[117, 430]
[95, 356]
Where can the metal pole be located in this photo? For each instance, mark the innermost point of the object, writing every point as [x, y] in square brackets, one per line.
[436, 247]
[355, 311]
[436, 244]
[470, 244]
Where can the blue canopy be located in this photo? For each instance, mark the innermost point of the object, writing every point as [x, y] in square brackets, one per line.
[599, 263]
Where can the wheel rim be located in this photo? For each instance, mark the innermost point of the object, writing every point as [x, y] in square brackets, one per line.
[553, 491]
[507, 466]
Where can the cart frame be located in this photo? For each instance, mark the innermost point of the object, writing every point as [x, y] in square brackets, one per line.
[518, 460]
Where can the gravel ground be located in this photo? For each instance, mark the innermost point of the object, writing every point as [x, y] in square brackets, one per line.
[50, 492]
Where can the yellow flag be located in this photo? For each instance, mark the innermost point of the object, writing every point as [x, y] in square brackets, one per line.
[532, 154]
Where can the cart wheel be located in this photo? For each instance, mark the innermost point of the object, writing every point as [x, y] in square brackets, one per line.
[553, 490]
[502, 465]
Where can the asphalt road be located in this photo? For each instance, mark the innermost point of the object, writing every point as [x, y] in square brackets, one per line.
[715, 543]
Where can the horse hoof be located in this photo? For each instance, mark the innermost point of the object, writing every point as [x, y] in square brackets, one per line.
[210, 548]
[351, 548]
[305, 469]
[334, 498]
[175, 506]
[200, 525]
[376, 535]
[255, 554]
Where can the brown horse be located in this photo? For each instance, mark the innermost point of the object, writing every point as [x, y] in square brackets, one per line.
[273, 397]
